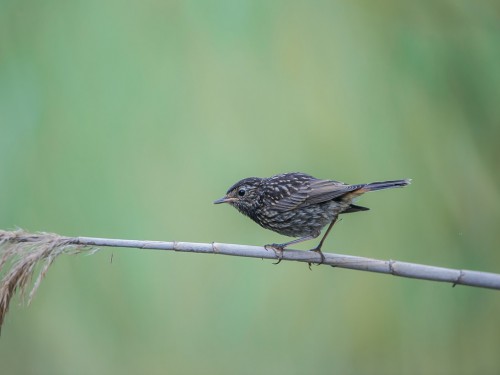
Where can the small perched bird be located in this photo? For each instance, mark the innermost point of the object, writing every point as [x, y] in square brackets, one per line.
[297, 204]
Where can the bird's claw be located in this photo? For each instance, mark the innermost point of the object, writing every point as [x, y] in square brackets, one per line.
[316, 250]
[278, 251]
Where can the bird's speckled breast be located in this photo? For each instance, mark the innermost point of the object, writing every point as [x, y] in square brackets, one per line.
[309, 220]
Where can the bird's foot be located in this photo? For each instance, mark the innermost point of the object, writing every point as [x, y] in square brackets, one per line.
[318, 250]
[278, 250]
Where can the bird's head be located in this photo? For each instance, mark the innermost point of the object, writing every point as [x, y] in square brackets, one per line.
[243, 195]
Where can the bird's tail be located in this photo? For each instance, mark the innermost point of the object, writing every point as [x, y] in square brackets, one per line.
[386, 185]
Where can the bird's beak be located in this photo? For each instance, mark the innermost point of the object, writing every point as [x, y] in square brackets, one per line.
[223, 200]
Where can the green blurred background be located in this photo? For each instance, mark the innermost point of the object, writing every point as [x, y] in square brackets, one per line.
[127, 119]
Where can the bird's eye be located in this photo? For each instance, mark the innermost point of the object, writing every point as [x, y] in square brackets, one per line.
[241, 192]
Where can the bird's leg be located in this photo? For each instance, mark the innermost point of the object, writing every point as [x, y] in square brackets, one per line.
[317, 249]
[279, 247]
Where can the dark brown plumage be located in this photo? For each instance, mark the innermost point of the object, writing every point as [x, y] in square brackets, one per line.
[297, 204]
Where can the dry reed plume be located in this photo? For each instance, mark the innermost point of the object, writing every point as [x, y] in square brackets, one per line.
[20, 254]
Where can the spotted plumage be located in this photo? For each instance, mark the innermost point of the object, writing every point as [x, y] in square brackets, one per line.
[297, 204]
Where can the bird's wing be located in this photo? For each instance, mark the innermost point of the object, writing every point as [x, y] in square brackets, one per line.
[325, 190]
[316, 191]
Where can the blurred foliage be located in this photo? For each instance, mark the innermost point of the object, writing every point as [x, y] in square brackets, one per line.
[127, 119]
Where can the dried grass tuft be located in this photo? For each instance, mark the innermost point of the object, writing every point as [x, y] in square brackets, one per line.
[20, 254]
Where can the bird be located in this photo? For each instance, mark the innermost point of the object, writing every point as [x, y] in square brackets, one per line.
[298, 205]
